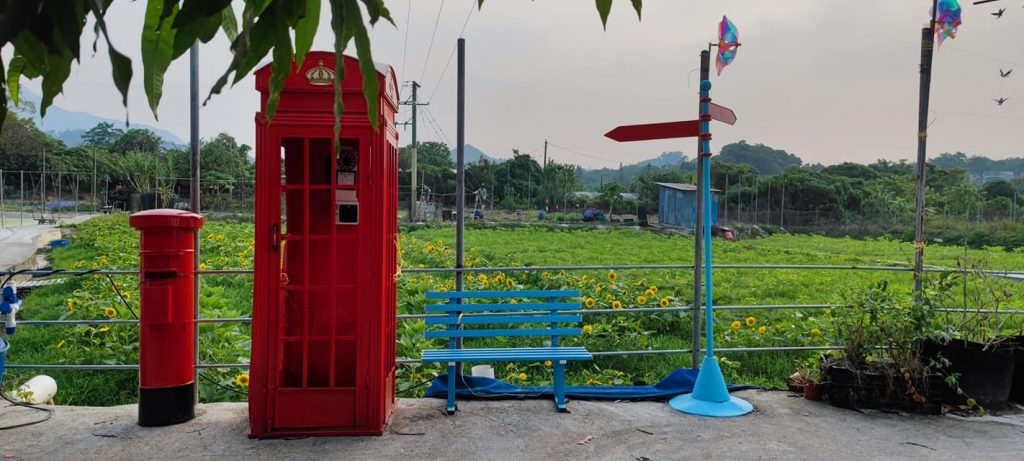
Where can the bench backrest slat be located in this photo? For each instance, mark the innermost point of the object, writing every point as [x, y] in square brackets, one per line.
[478, 319]
[494, 333]
[540, 315]
[451, 307]
[503, 294]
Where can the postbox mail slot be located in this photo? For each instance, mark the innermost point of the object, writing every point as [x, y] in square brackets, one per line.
[157, 304]
[159, 275]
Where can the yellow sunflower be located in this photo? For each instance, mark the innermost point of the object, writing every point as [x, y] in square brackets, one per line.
[735, 325]
[664, 302]
[616, 304]
[242, 380]
[751, 321]
[589, 302]
[613, 276]
[110, 312]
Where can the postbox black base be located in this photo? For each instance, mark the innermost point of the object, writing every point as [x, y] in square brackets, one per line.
[164, 406]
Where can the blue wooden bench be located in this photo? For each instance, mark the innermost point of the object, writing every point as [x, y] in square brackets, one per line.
[542, 318]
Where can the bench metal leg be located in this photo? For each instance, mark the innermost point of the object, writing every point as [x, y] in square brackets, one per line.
[451, 388]
[559, 369]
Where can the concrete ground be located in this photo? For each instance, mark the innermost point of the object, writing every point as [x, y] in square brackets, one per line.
[782, 427]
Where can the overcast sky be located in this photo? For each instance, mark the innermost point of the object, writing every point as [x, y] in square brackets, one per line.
[828, 80]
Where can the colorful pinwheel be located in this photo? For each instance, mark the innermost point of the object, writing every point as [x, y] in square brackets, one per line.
[728, 42]
[947, 19]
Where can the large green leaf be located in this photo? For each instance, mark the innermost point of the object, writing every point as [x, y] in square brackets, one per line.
[196, 10]
[229, 23]
[157, 49]
[121, 65]
[305, 30]
[14, 73]
[638, 5]
[354, 21]
[377, 10]
[604, 7]
[340, 42]
[279, 70]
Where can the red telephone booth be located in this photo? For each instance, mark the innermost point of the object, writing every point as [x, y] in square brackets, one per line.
[323, 331]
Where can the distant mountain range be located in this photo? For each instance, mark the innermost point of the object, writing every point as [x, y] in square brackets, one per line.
[472, 154]
[69, 126]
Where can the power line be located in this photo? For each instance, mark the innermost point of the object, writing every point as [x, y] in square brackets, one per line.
[432, 35]
[592, 157]
[435, 126]
[405, 45]
[452, 54]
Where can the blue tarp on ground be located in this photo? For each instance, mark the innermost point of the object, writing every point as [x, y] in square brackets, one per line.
[678, 382]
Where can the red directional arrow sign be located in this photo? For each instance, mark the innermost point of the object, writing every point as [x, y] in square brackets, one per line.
[669, 130]
[651, 131]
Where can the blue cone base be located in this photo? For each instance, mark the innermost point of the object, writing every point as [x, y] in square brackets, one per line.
[735, 406]
[710, 397]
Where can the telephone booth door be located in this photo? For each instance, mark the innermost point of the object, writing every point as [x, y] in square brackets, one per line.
[323, 317]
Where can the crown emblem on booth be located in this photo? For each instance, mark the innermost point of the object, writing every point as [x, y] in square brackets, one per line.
[320, 75]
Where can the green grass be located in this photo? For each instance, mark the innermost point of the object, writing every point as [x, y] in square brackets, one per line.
[107, 242]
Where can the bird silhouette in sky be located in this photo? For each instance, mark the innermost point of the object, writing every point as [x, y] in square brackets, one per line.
[1005, 73]
[999, 14]
[1000, 101]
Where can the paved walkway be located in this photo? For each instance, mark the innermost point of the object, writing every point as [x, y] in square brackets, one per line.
[19, 243]
[783, 427]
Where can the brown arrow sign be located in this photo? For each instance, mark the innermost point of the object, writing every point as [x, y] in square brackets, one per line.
[722, 114]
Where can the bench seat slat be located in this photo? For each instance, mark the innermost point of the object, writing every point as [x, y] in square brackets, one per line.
[516, 354]
[471, 319]
[501, 307]
[502, 294]
[497, 332]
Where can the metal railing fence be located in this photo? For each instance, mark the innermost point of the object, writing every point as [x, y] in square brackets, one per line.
[694, 350]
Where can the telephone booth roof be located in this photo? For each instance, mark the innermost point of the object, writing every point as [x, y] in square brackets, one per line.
[310, 88]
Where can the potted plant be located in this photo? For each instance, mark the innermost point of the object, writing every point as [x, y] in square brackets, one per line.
[880, 364]
[808, 377]
[973, 349]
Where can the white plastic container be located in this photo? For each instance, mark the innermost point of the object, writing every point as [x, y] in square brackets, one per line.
[38, 390]
[483, 371]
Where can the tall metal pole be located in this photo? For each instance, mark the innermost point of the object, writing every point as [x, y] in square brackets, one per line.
[460, 175]
[415, 156]
[193, 61]
[22, 217]
[95, 200]
[705, 71]
[927, 50]
[705, 151]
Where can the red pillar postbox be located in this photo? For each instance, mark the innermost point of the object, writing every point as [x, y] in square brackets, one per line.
[323, 332]
[166, 324]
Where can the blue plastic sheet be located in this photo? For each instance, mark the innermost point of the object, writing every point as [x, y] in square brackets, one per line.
[678, 382]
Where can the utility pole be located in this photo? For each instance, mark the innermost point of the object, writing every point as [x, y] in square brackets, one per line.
[94, 199]
[412, 177]
[927, 51]
[545, 154]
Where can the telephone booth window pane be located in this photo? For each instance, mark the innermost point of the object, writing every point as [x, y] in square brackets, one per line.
[321, 212]
[347, 162]
[320, 167]
[293, 212]
[291, 364]
[320, 265]
[294, 311]
[293, 159]
[344, 363]
[319, 314]
[319, 365]
[293, 263]
[345, 311]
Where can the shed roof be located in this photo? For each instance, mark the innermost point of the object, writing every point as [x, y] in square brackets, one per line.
[682, 187]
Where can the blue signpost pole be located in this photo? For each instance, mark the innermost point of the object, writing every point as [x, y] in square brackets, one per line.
[710, 397]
